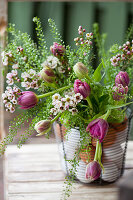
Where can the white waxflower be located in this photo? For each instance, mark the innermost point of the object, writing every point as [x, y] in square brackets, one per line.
[78, 97]
[4, 96]
[54, 111]
[32, 73]
[61, 107]
[23, 84]
[10, 82]
[74, 111]
[15, 66]
[8, 105]
[61, 69]
[4, 101]
[69, 101]
[12, 109]
[56, 97]
[14, 72]
[14, 101]
[51, 62]
[28, 85]
[25, 75]
[11, 97]
[15, 89]
[5, 61]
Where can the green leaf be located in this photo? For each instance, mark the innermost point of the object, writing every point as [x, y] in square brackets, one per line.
[109, 107]
[97, 74]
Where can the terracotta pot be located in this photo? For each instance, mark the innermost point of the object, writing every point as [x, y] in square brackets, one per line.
[114, 129]
[87, 154]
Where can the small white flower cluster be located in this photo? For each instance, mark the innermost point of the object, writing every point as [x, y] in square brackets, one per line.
[12, 77]
[30, 79]
[53, 63]
[126, 54]
[5, 57]
[65, 103]
[9, 98]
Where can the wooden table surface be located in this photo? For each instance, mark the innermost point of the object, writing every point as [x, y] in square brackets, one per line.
[34, 173]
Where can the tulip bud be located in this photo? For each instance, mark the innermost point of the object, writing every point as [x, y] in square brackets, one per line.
[82, 87]
[80, 70]
[119, 92]
[98, 129]
[47, 74]
[93, 170]
[57, 49]
[27, 100]
[122, 78]
[43, 127]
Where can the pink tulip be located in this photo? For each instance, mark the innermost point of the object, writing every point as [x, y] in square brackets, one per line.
[98, 129]
[122, 78]
[82, 87]
[57, 49]
[93, 170]
[27, 100]
[43, 127]
[47, 75]
[119, 92]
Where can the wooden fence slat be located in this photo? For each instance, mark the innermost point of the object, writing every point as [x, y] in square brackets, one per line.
[3, 25]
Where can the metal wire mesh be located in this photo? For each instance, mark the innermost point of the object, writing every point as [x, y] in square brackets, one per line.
[114, 151]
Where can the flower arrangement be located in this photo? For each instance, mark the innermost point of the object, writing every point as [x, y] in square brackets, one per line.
[60, 84]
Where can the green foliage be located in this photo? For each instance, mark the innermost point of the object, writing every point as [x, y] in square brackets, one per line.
[55, 32]
[30, 49]
[42, 47]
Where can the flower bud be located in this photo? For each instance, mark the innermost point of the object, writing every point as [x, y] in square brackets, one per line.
[57, 49]
[122, 78]
[27, 100]
[80, 70]
[47, 74]
[98, 129]
[93, 170]
[43, 127]
[119, 92]
[82, 87]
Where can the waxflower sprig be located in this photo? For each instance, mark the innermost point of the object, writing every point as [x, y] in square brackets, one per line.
[125, 55]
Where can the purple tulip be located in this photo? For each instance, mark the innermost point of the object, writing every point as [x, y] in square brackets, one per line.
[122, 78]
[93, 170]
[47, 75]
[82, 87]
[43, 127]
[57, 49]
[27, 100]
[119, 92]
[98, 129]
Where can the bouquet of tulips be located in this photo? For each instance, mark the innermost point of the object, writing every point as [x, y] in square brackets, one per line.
[61, 85]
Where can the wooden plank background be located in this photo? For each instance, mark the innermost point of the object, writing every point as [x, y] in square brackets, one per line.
[34, 172]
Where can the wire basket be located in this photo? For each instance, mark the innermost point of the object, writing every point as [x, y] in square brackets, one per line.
[114, 149]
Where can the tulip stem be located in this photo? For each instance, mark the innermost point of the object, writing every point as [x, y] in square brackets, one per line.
[87, 77]
[53, 120]
[106, 115]
[90, 104]
[53, 92]
[97, 151]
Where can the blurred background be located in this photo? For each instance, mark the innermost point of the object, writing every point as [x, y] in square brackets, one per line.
[114, 18]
